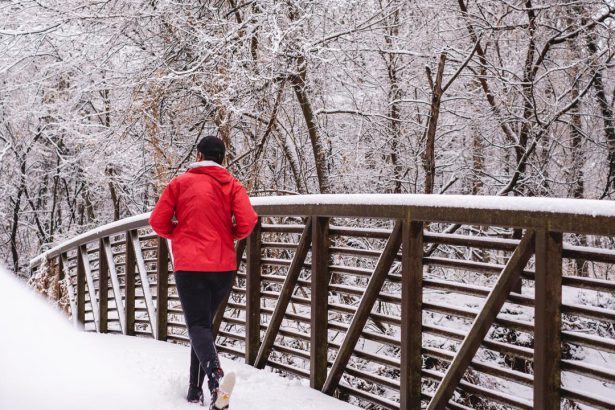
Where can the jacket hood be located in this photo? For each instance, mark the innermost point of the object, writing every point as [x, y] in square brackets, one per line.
[211, 168]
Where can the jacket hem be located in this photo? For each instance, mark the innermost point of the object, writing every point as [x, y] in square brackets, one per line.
[205, 268]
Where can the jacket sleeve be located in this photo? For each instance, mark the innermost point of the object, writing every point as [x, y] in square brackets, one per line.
[245, 217]
[161, 219]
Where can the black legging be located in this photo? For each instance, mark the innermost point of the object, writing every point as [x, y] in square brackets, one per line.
[200, 294]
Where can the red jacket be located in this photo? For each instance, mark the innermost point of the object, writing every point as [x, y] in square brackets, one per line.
[204, 201]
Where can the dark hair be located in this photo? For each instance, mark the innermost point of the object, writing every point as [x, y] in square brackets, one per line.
[212, 149]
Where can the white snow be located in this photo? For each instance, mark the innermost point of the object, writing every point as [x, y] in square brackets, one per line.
[46, 364]
[579, 207]
[587, 207]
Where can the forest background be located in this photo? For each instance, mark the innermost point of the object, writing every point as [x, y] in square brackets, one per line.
[102, 103]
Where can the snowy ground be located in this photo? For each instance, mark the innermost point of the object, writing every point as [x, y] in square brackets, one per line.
[46, 364]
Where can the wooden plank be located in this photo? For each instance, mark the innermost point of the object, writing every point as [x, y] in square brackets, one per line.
[69, 288]
[483, 321]
[84, 261]
[253, 297]
[364, 309]
[411, 315]
[319, 302]
[147, 293]
[240, 248]
[115, 283]
[285, 294]
[103, 285]
[547, 320]
[162, 283]
[130, 287]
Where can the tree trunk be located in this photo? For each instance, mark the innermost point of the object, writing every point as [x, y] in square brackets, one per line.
[16, 215]
[429, 160]
[320, 160]
[527, 90]
[478, 159]
[394, 97]
[607, 118]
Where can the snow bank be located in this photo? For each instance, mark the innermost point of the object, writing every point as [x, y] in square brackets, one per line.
[46, 364]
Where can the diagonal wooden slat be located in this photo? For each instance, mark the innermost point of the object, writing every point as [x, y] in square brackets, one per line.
[147, 293]
[482, 323]
[364, 309]
[84, 260]
[69, 288]
[107, 255]
[240, 248]
[285, 294]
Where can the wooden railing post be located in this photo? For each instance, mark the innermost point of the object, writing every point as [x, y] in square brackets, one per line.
[547, 320]
[162, 289]
[319, 302]
[129, 282]
[411, 315]
[80, 288]
[103, 291]
[253, 294]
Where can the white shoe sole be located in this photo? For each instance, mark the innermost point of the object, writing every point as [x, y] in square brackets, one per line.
[224, 391]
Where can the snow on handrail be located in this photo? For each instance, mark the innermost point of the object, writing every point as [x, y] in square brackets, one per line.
[507, 208]
[584, 207]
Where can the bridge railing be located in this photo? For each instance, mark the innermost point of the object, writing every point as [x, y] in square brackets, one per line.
[397, 301]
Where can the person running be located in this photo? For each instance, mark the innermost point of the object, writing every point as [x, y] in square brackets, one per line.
[202, 211]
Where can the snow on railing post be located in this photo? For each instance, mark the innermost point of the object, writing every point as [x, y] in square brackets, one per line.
[253, 294]
[411, 315]
[547, 320]
[319, 302]
[162, 288]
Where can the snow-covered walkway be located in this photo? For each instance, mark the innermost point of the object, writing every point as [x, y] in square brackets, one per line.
[46, 364]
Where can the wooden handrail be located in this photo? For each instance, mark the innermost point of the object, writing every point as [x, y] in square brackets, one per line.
[320, 290]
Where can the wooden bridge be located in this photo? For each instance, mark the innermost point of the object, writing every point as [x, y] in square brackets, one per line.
[393, 301]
